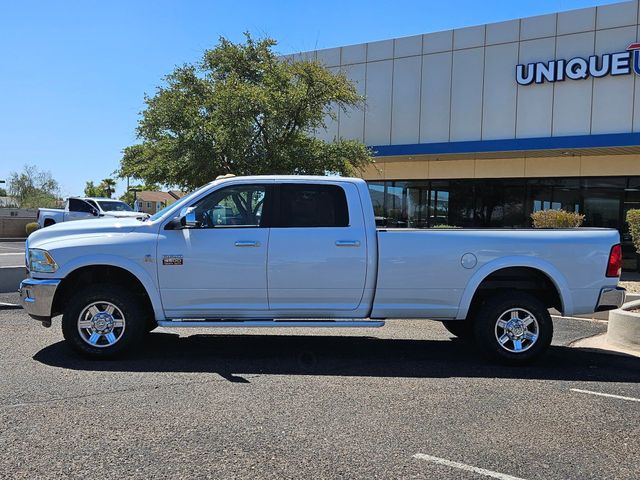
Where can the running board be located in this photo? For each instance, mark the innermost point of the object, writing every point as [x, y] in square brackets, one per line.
[272, 323]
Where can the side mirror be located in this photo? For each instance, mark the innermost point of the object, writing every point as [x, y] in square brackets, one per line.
[187, 219]
[94, 212]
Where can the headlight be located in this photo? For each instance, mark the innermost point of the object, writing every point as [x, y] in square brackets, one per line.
[41, 261]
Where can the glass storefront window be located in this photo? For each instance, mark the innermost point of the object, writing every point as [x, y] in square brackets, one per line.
[438, 207]
[417, 197]
[502, 203]
[376, 190]
[396, 205]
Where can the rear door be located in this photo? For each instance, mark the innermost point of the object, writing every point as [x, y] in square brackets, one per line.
[317, 259]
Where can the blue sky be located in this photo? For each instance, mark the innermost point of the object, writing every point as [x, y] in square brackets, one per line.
[73, 73]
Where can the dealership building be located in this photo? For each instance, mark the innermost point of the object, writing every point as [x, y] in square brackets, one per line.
[481, 126]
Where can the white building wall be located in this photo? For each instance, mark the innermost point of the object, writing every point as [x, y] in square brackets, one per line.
[460, 85]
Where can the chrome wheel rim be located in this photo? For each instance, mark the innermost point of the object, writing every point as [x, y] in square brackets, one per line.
[517, 330]
[101, 324]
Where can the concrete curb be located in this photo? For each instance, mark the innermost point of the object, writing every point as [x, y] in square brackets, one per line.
[10, 278]
[623, 333]
[624, 327]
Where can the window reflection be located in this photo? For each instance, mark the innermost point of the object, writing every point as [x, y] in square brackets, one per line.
[501, 203]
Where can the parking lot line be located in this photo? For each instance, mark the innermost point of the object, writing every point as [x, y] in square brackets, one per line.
[619, 397]
[16, 253]
[464, 466]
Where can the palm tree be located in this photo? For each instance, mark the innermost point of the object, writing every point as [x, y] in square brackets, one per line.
[108, 186]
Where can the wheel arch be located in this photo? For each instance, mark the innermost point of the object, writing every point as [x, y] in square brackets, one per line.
[108, 270]
[520, 271]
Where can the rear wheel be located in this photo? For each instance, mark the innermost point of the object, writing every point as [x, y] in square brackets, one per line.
[103, 321]
[513, 327]
[462, 329]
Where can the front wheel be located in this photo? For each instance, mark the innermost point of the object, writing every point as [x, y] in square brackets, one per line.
[513, 327]
[103, 321]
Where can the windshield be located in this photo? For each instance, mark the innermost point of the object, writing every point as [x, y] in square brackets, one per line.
[182, 201]
[114, 206]
[160, 212]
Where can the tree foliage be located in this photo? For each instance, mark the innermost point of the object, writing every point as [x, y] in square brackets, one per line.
[33, 187]
[106, 188]
[242, 110]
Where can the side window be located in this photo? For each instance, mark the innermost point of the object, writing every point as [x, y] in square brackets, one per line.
[312, 205]
[77, 205]
[238, 206]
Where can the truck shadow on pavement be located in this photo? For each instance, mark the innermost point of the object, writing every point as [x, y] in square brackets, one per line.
[232, 356]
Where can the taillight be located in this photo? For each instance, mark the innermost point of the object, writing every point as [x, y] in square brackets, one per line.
[38, 215]
[614, 267]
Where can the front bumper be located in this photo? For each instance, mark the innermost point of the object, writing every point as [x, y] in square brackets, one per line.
[36, 297]
[610, 298]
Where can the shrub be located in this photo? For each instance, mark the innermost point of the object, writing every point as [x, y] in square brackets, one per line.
[556, 219]
[31, 227]
[633, 219]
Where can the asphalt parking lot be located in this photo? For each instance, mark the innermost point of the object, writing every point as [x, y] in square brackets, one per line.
[11, 254]
[403, 401]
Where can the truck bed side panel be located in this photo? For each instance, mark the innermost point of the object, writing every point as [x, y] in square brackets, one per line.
[421, 275]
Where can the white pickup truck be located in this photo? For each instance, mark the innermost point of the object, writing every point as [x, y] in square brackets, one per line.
[286, 251]
[85, 208]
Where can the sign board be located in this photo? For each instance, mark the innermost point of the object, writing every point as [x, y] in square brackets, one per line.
[579, 68]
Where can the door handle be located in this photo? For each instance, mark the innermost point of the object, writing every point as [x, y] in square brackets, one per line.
[247, 243]
[347, 243]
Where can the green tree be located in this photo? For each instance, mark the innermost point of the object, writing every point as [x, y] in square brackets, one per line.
[3, 192]
[243, 110]
[91, 190]
[105, 188]
[108, 187]
[33, 187]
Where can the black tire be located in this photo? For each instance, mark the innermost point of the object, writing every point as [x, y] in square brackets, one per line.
[151, 325]
[133, 320]
[462, 329]
[488, 333]
[48, 222]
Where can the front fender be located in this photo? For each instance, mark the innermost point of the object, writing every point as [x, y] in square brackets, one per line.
[556, 277]
[115, 261]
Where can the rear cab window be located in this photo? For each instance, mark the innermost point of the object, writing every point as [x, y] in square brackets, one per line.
[311, 205]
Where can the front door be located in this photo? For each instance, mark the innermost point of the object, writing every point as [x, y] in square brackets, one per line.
[217, 269]
[317, 250]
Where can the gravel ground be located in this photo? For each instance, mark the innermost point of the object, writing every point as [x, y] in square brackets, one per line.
[632, 287]
[312, 403]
